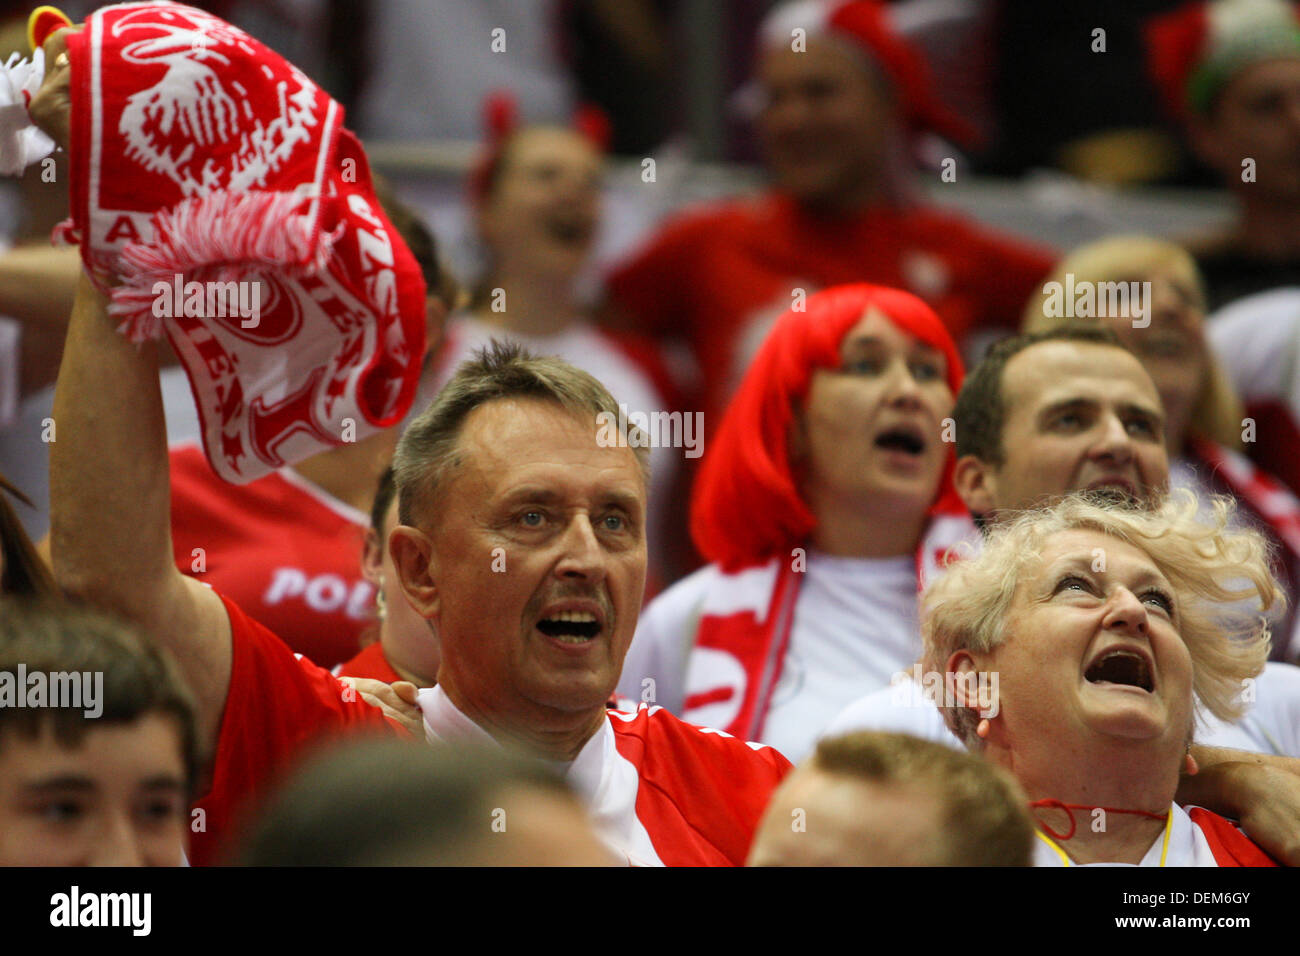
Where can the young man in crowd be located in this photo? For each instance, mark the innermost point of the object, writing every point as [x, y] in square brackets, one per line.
[98, 760]
[1229, 71]
[873, 799]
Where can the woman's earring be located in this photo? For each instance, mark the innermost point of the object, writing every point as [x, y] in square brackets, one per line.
[982, 728]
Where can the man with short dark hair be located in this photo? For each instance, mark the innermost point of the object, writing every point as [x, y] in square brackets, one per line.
[874, 799]
[99, 770]
[1055, 412]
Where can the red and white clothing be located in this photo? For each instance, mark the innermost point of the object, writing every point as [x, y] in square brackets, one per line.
[1257, 340]
[718, 277]
[630, 371]
[1192, 837]
[659, 792]
[278, 706]
[775, 652]
[278, 546]
[370, 663]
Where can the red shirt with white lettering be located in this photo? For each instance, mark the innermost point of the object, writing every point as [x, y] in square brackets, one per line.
[281, 548]
[718, 277]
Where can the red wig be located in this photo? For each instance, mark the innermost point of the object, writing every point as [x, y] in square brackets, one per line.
[746, 506]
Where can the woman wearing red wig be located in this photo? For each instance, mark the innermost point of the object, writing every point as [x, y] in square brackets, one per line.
[822, 501]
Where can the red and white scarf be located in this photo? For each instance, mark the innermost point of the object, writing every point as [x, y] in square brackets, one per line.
[198, 157]
[746, 620]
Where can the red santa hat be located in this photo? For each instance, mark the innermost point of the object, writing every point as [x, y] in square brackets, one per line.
[219, 201]
[865, 24]
[746, 506]
[1193, 51]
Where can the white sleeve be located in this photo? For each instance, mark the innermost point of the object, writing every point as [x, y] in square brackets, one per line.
[1272, 724]
[1257, 339]
[900, 708]
[662, 644]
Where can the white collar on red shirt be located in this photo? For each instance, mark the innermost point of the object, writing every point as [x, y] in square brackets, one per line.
[605, 780]
[1181, 844]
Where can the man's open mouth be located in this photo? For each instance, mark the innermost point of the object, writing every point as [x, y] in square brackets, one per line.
[570, 627]
[1123, 667]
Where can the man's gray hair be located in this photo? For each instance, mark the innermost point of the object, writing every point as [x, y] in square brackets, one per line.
[500, 370]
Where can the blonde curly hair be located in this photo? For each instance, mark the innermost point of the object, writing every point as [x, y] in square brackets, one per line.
[1212, 568]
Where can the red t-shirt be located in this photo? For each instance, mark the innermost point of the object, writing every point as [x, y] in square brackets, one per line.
[370, 663]
[695, 793]
[280, 548]
[278, 706]
[719, 277]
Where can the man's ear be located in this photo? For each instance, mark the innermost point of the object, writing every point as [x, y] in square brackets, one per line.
[372, 557]
[976, 484]
[416, 566]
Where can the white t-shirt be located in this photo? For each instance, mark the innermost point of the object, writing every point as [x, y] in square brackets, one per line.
[854, 626]
[1257, 339]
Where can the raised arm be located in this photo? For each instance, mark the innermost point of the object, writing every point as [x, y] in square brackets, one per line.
[110, 518]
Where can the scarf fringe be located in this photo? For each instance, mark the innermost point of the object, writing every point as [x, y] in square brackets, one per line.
[228, 234]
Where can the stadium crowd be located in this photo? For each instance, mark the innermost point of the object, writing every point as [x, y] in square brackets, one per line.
[828, 526]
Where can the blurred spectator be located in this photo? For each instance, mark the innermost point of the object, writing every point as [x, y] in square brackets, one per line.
[1230, 71]
[402, 645]
[868, 799]
[397, 803]
[839, 94]
[536, 198]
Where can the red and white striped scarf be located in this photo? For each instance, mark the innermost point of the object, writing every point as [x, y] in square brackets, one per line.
[746, 620]
[199, 157]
